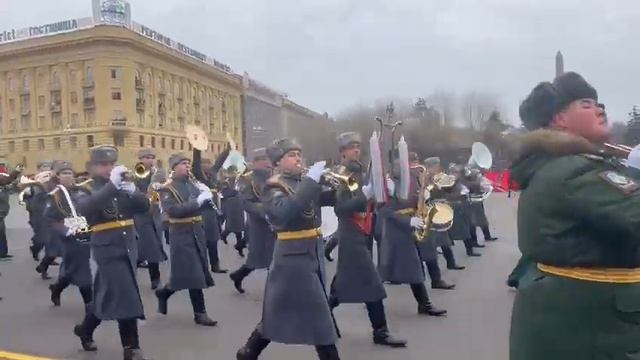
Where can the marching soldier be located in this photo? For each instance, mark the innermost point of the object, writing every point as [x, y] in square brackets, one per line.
[4, 210]
[75, 268]
[149, 225]
[232, 209]
[295, 309]
[38, 194]
[476, 184]
[34, 199]
[429, 249]
[578, 221]
[400, 261]
[183, 200]
[442, 238]
[109, 206]
[261, 237]
[211, 211]
[462, 222]
[356, 279]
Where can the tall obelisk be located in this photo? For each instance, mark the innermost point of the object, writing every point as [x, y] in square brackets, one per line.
[559, 64]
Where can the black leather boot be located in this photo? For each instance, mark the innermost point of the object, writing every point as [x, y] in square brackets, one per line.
[204, 320]
[472, 253]
[86, 340]
[238, 276]
[428, 309]
[253, 348]
[56, 291]
[382, 336]
[424, 304]
[327, 352]
[163, 299]
[216, 269]
[331, 242]
[134, 354]
[155, 284]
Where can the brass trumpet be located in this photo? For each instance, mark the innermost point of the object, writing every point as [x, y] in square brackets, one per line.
[139, 172]
[339, 178]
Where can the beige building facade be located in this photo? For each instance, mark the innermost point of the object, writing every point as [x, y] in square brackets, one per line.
[62, 94]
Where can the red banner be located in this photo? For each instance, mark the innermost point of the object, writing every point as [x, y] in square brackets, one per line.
[500, 180]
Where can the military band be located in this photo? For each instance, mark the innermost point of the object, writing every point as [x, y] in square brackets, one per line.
[128, 213]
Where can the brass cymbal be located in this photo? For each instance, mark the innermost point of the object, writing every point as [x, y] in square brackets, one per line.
[197, 137]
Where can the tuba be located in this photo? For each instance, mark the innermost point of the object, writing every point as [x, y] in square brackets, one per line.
[436, 215]
[341, 178]
[480, 156]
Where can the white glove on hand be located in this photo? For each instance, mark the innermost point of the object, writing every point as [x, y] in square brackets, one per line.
[156, 186]
[417, 223]
[317, 170]
[70, 232]
[203, 197]
[634, 158]
[128, 187]
[202, 187]
[116, 176]
[27, 191]
[367, 190]
[391, 186]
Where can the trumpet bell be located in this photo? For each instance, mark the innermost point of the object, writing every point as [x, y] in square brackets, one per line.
[140, 171]
[235, 159]
[480, 156]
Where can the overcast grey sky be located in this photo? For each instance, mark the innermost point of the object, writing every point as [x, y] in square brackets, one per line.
[330, 54]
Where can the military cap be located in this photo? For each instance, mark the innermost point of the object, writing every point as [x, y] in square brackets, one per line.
[432, 161]
[42, 163]
[348, 138]
[177, 158]
[144, 152]
[61, 165]
[103, 153]
[547, 99]
[280, 147]
[260, 154]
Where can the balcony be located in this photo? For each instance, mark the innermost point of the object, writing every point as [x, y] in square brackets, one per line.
[140, 104]
[119, 122]
[88, 83]
[139, 84]
[89, 103]
[25, 91]
[196, 100]
[56, 107]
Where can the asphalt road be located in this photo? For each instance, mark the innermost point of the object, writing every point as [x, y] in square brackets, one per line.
[477, 326]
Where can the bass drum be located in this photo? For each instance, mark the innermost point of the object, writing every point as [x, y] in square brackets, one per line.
[443, 218]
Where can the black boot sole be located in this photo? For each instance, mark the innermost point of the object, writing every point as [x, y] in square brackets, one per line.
[383, 342]
[87, 345]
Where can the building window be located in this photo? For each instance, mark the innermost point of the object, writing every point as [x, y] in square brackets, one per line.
[141, 119]
[153, 141]
[12, 105]
[73, 142]
[115, 94]
[116, 73]
[41, 102]
[40, 144]
[25, 145]
[12, 146]
[74, 98]
[90, 117]
[12, 125]
[25, 122]
[73, 76]
[89, 74]
[12, 83]
[74, 121]
[25, 104]
[56, 121]
[141, 138]
[182, 144]
[55, 80]
[25, 83]
[56, 143]
[41, 120]
[162, 143]
[90, 142]
[173, 144]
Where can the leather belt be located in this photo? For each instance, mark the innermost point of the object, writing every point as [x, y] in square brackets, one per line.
[407, 211]
[604, 275]
[300, 234]
[111, 225]
[190, 220]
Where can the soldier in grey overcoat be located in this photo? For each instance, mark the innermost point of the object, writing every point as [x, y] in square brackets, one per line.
[76, 252]
[475, 182]
[211, 210]
[400, 260]
[429, 249]
[35, 207]
[356, 279]
[261, 239]
[149, 225]
[109, 205]
[183, 200]
[296, 308]
[38, 195]
[462, 222]
[4, 211]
